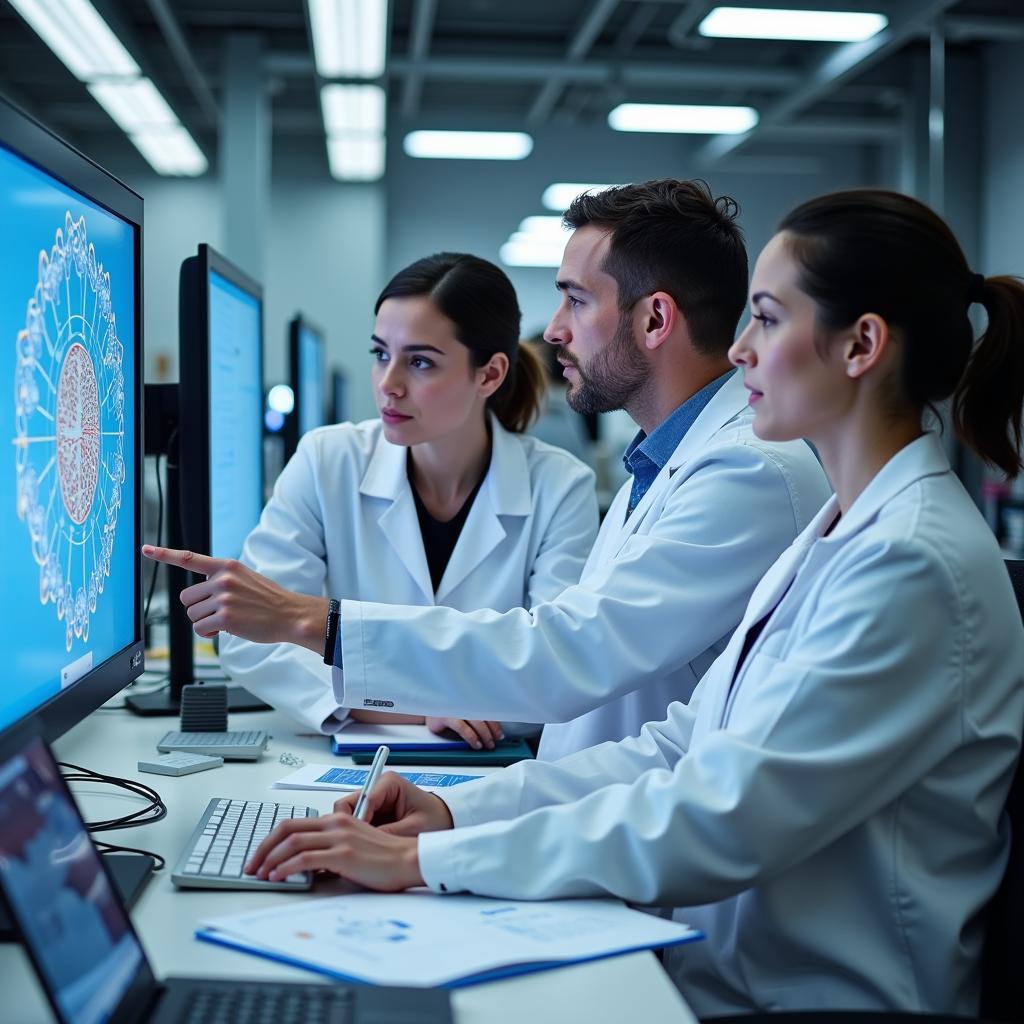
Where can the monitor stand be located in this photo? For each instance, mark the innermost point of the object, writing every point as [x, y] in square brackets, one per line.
[128, 871]
[166, 703]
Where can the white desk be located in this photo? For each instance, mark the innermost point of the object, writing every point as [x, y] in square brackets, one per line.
[632, 987]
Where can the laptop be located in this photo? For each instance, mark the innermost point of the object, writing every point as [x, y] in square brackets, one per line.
[85, 951]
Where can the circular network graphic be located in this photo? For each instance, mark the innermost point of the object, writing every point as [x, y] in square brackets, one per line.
[69, 421]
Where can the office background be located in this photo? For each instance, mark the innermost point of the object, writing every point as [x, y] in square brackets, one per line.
[933, 109]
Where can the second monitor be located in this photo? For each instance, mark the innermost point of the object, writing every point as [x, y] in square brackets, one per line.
[210, 426]
[307, 377]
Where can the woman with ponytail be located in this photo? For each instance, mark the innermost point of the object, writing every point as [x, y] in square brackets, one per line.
[443, 499]
[828, 809]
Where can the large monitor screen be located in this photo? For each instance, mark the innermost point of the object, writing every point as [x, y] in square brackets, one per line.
[68, 402]
[311, 386]
[236, 408]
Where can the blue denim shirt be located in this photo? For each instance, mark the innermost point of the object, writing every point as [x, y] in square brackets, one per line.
[647, 453]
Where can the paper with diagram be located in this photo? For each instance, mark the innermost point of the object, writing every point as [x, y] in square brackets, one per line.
[422, 939]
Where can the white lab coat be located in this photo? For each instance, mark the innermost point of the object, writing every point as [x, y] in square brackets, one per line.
[342, 522]
[833, 821]
[660, 595]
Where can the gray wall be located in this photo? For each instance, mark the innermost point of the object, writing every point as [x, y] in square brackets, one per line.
[473, 206]
[1002, 198]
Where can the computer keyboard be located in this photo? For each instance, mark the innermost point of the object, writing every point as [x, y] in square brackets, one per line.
[280, 1004]
[227, 835]
[243, 745]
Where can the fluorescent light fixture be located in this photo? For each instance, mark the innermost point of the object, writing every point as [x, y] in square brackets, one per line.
[544, 227]
[349, 37]
[353, 108]
[77, 34]
[560, 195]
[170, 151]
[520, 252]
[468, 145]
[356, 157]
[682, 118]
[765, 23]
[134, 105]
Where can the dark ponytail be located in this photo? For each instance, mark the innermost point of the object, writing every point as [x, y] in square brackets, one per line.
[870, 250]
[987, 402]
[480, 301]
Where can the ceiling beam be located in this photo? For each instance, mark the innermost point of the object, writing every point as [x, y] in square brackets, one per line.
[579, 45]
[595, 72]
[178, 45]
[423, 13]
[844, 62]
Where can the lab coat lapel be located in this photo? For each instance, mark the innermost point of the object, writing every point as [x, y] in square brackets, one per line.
[767, 594]
[386, 478]
[505, 491]
[728, 401]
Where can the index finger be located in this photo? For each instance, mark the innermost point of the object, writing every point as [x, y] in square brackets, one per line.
[191, 560]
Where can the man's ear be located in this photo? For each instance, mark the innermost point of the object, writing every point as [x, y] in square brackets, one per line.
[866, 344]
[492, 374]
[660, 316]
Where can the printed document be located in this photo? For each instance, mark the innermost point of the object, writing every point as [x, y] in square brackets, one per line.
[422, 939]
[345, 780]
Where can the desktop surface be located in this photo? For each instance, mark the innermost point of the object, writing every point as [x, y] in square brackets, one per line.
[620, 988]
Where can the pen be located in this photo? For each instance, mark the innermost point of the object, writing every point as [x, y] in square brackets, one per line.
[379, 760]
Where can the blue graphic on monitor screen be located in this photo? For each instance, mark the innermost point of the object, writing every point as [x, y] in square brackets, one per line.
[67, 350]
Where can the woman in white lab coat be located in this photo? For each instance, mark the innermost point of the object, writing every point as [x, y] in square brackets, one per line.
[442, 500]
[827, 809]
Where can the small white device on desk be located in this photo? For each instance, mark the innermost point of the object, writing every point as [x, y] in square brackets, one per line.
[237, 745]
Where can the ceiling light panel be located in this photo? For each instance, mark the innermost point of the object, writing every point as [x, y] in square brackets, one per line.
[349, 37]
[440, 145]
[560, 195]
[353, 108]
[356, 157]
[682, 119]
[133, 105]
[809, 26]
[170, 151]
[77, 34]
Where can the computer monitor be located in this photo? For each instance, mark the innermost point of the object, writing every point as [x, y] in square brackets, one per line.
[308, 379]
[339, 396]
[211, 426]
[71, 484]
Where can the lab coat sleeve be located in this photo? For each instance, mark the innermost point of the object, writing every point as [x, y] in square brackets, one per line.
[532, 784]
[570, 533]
[667, 596]
[859, 710]
[288, 546]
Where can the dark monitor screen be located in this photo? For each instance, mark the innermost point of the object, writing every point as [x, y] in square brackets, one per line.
[307, 361]
[221, 398]
[70, 495]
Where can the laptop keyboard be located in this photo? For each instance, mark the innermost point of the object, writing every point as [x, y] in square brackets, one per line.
[226, 837]
[270, 1004]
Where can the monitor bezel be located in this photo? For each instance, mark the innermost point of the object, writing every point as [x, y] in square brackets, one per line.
[194, 389]
[291, 430]
[31, 141]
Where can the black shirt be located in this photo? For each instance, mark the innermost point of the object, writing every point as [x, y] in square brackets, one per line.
[439, 539]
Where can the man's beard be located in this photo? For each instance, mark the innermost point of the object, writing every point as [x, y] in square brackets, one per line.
[612, 377]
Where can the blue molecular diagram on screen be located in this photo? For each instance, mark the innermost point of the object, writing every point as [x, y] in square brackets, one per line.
[70, 427]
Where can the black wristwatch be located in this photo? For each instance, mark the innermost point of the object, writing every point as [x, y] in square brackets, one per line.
[331, 637]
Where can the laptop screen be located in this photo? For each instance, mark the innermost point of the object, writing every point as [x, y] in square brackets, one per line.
[74, 925]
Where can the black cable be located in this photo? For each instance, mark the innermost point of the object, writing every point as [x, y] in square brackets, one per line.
[105, 848]
[159, 535]
[155, 810]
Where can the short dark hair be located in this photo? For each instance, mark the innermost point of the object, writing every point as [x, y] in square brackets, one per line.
[674, 236]
[872, 250]
[479, 299]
